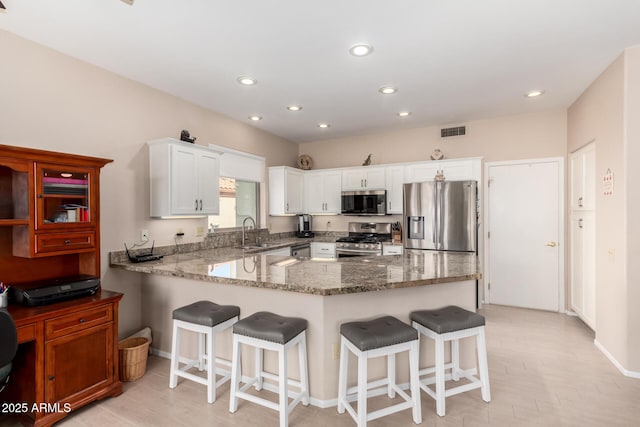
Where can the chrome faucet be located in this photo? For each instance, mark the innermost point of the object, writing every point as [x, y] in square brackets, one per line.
[244, 226]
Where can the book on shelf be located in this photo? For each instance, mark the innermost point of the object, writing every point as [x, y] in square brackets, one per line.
[51, 180]
[76, 213]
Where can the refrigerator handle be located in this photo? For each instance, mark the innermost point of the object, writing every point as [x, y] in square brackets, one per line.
[436, 225]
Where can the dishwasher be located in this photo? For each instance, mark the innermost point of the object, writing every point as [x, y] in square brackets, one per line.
[301, 250]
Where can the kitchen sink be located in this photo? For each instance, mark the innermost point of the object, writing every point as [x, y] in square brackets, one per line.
[256, 246]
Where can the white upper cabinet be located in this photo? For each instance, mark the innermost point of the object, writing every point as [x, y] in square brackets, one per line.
[364, 178]
[184, 179]
[395, 180]
[285, 191]
[293, 191]
[453, 170]
[322, 192]
[583, 178]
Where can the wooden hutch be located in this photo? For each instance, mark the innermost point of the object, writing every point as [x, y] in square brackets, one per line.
[50, 228]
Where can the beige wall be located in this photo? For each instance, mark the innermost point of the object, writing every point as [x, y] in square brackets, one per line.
[631, 155]
[503, 138]
[54, 102]
[604, 113]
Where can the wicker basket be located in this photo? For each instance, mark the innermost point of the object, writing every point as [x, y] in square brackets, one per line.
[132, 358]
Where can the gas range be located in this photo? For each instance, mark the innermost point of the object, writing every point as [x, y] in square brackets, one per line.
[365, 238]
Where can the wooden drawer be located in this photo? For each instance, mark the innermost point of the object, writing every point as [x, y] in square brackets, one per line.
[65, 242]
[77, 321]
[26, 333]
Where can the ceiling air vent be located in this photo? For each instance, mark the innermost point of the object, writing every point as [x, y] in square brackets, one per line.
[456, 131]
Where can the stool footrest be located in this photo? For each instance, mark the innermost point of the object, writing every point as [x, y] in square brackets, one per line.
[226, 376]
[259, 400]
[276, 378]
[380, 412]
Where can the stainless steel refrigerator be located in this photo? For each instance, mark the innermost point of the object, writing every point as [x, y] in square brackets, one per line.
[441, 215]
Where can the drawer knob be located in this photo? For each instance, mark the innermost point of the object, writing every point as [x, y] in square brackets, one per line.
[51, 378]
[82, 320]
[67, 242]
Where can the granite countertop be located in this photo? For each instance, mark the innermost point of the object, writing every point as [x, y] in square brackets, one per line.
[255, 268]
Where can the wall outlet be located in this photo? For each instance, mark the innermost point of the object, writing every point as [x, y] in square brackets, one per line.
[179, 232]
[200, 231]
[144, 235]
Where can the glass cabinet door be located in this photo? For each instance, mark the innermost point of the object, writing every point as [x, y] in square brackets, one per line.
[65, 196]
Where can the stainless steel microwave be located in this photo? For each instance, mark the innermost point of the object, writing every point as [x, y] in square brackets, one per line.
[372, 202]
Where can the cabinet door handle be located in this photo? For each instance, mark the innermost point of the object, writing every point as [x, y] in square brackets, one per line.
[389, 205]
[552, 244]
[196, 204]
[580, 202]
[82, 320]
[287, 207]
[200, 204]
[365, 183]
[580, 223]
[362, 183]
[51, 378]
[67, 242]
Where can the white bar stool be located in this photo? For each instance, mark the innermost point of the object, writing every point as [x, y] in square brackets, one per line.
[384, 336]
[268, 331]
[452, 323]
[207, 319]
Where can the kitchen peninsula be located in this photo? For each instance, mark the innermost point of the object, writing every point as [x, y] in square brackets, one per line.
[325, 292]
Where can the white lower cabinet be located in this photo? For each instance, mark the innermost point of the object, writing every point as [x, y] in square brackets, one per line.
[323, 250]
[391, 249]
[582, 266]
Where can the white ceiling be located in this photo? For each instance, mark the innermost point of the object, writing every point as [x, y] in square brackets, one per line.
[451, 60]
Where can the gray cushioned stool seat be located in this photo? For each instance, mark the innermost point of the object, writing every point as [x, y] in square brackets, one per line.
[447, 319]
[206, 313]
[377, 333]
[270, 327]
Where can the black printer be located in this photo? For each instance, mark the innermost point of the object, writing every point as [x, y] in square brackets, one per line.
[54, 290]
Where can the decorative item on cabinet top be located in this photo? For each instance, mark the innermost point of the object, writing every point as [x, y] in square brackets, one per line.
[367, 161]
[186, 137]
[437, 154]
[304, 162]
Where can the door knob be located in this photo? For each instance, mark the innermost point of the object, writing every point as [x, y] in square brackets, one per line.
[552, 244]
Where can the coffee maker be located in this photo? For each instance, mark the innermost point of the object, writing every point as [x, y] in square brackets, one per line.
[304, 226]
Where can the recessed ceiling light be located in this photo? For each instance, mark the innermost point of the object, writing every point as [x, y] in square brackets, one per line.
[255, 118]
[533, 93]
[324, 125]
[247, 81]
[387, 90]
[294, 107]
[360, 49]
[404, 113]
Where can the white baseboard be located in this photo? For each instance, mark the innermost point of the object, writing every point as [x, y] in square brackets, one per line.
[571, 313]
[323, 404]
[625, 372]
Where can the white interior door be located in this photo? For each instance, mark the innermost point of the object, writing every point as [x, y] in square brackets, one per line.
[524, 217]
